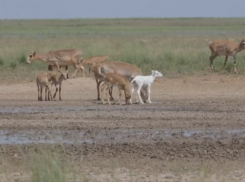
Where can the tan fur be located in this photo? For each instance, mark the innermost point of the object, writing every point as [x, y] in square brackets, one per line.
[112, 79]
[56, 79]
[60, 58]
[62, 68]
[122, 68]
[227, 47]
[91, 61]
[43, 82]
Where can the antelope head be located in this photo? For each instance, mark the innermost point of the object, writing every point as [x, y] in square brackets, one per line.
[242, 43]
[156, 74]
[64, 75]
[31, 57]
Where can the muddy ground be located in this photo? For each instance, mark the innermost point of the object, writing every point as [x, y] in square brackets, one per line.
[193, 121]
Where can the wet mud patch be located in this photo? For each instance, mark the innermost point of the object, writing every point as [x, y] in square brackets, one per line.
[139, 143]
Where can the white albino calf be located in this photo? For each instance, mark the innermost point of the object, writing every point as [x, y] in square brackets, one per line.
[144, 81]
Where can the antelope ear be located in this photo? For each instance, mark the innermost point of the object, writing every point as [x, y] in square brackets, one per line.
[131, 77]
[33, 53]
[153, 72]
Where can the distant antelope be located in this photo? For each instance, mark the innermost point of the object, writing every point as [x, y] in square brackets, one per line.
[227, 47]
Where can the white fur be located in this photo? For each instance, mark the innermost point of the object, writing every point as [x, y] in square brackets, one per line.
[144, 81]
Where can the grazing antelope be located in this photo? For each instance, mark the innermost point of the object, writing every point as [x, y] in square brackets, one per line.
[121, 68]
[60, 58]
[43, 82]
[144, 81]
[56, 79]
[112, 79]
[227, 48]
[91, 61]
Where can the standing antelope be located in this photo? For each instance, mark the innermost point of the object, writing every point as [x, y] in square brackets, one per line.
[227, 48]
[144, 81]
[91, 61]
[56, 79]
[60, 58]
[121, 68]
[43, 82]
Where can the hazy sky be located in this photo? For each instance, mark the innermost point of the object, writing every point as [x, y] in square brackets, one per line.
[67, 9]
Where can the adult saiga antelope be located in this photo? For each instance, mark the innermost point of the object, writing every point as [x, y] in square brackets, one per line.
[227, 48]
[89, 62]
[121, 68]
[60, 58]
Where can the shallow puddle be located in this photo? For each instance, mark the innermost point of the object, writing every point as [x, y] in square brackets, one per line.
[109, 136]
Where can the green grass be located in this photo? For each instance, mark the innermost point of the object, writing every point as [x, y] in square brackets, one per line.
[49, 163]
[173, 46]
[47, 167]
[1, 62]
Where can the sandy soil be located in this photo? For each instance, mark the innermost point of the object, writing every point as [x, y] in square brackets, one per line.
[192, 121]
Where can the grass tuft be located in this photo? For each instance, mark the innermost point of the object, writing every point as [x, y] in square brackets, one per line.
[47, 167]
[13, 65]
[22, 58]
[1, 62]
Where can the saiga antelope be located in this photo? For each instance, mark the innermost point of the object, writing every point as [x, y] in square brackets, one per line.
[114, 79]
[43, 82]
[121, 68]
[227, 48]
[91, 61]
[60, 58]
[145, 82]
[56, 79]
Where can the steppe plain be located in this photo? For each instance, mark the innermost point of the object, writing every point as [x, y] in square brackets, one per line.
[193, 131]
